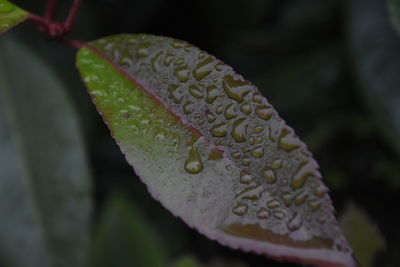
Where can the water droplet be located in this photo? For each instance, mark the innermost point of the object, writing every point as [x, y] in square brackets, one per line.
[219, 130]
[194, 164]
[235, 89]
[264, 112]
[259, 140]
[196, 91]
[301, 176]
[178, 44]
[245, 178]
[252, 192]
[295, 222]
[263, 213]
[210, 116]
[179, 61]
[252, 140]
[245, 108]
[286, 198]
[182, 73]
[314, 204]
[300, 198]
[203, 68]
[273, 204]
[219, 109]
[239, 130]
[240, 209]
[168, 59]
[287, 141]
[175, 93]
[276, 164]
[320, 191]
[230, 111]
[155, 62]
[269, 175]
[258, 129]
[200, 122]
[246, 149]
[187, 107]
[279, 214]
[219, 66]
[246, 161]
[213, 93]
[257, 97]
[142, 50]
[258, 152]
[236, 155]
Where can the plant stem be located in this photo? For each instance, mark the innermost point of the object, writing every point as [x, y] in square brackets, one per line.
[51, 6]
[72, 15]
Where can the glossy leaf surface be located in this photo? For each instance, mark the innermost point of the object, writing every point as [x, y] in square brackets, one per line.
[44, 179]
[212, 149]
[10, 15]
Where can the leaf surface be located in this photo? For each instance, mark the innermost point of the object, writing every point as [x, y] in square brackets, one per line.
[44, 178]
[10, 15]
[212, 149]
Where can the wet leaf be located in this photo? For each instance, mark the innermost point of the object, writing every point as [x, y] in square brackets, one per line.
[212, 149]
[44, 179]
[124, 238]
[10, 15]
[394, 8]
[362, 233]
[375, 50]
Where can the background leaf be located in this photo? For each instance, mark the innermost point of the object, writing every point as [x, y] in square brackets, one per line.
[123, 238]
[376, 54]
[44, 178]
[363, 235]
[10, 15]
[394, 8]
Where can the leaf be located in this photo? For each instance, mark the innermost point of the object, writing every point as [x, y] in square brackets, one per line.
[362, 233]
[10, 15]
[124, 238]
[376, 54]
[212, 149]
[394, 9]
[44, 178]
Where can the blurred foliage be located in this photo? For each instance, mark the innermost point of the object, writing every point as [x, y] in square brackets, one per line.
[363, 235]
[331, 69]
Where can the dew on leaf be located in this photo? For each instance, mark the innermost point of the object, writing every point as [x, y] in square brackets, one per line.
[240, 209]
[245, 178]
[230, 111]
[287, 142]
[258, 152]
[273, 204]
[269, 175]
[263, 213]
[257, 98]
[301, 176]
[194, 164]
[182, 73]
[253, 192]
[203, 69]
[212, 94]
[295, 222]
[264, 112]
[245, 108]
[210, 116]
[239, 130]
[246, 161]
[219, 130]
[235, 89]
[276, 164]
[278, 214]
[196, 91]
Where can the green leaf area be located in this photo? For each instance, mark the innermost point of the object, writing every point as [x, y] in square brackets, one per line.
[44, 178]
[10, 15]
[212, 149]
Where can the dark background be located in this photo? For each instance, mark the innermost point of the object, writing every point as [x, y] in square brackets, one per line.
[330, 68]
